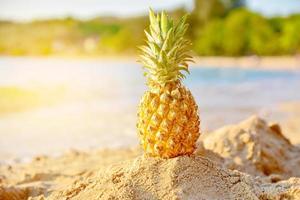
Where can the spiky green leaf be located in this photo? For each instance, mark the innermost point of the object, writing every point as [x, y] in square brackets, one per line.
[167, 52]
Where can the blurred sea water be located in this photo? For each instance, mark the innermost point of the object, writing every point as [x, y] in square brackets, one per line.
[102, 97]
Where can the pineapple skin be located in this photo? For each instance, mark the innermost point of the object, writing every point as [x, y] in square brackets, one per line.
[168, 121]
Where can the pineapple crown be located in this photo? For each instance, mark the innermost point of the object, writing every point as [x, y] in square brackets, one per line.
[167, 52]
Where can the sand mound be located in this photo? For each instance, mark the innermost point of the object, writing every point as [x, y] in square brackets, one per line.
[254, 147]
[46, 175]
[153, 178]
[185, 177]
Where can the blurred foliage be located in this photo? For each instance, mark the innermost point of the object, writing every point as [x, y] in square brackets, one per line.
[217, 27]
[242, 32]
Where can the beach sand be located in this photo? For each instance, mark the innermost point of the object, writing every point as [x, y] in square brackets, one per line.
[247, 62]
[291, 124]
[249, 160]
[252, 62]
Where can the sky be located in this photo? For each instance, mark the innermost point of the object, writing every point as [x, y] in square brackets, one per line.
[23, 10]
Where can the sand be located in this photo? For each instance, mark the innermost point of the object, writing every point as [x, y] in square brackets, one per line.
[253, 62]
[255, 147]
[247, 62]
[291, 123]
[249, 160]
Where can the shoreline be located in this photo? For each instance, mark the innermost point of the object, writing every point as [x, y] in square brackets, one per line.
[246, 62]
[252, 62]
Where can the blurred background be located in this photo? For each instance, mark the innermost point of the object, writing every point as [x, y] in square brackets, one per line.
[69, 76]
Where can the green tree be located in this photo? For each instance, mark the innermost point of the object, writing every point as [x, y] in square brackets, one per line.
[290, 39]
[116, 43]
[263, 39]
[236, 28]
[209, 41]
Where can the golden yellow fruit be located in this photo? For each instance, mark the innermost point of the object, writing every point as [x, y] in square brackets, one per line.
[168, 123]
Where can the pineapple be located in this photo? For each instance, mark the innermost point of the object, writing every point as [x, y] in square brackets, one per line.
[168, 121]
